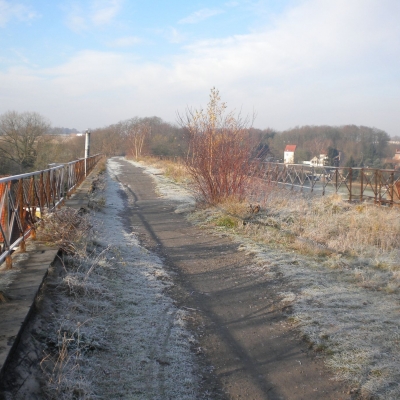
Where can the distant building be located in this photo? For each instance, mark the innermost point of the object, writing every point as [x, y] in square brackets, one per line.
[317, 161]
[288, 154]
[396, 157]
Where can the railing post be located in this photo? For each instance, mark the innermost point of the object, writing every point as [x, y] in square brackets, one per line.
[391, 190]
[41, 192]
[362, 184]
[312, 178]
[21, 214]
[8, 262]
[350, 183]
[336, 179]
[87, 148]
[32, 207]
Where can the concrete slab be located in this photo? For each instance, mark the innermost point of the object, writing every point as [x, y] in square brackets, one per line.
[20, 295]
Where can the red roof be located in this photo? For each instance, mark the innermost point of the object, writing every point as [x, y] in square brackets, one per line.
[290, 147]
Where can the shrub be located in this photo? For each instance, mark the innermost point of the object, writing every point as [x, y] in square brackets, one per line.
[220, 149]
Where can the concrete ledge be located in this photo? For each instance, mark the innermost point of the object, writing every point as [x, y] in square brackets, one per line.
[32, 271]
[20, 298]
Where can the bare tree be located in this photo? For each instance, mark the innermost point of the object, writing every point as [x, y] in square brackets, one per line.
[19, 134]
[219, 150]
[136, 132]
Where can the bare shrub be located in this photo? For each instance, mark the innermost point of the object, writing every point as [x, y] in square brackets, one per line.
[67, 228]
[219, 153]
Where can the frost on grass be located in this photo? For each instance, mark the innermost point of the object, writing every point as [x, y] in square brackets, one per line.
[354, 325]
[168, 188]
[341, 264]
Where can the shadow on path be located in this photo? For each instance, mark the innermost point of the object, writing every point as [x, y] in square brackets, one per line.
[245, 335]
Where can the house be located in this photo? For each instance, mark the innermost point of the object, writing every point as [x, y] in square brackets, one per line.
[317, 161]
[396, 157]
[288, 154]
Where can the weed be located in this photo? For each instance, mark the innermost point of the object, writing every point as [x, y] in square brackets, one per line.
[67, 228]
[227, 221]
[102, 166]
[65, 379]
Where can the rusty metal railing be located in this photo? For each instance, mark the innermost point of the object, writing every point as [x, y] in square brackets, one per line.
[382, 186]
[25, 198]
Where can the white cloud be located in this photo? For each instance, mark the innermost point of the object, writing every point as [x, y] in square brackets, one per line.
[23, 58]
[200, 15]
[174, 36]
[104, 11]
[321, 63]
[126, 41]
[10, 10]
[75, 19]
[101, 12]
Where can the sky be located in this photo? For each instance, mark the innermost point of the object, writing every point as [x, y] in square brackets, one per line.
[91, 63]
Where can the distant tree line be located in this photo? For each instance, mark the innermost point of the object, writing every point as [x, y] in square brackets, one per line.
[28, 142]
[359, 146]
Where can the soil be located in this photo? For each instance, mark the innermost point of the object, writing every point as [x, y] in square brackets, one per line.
[242, 325]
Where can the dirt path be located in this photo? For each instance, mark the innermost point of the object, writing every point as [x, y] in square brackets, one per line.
[243, 329]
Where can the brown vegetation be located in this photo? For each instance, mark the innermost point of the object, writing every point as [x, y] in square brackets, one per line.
[219, 153]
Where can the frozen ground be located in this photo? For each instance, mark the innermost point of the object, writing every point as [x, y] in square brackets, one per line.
[148, 348]
[169, 189]
[355, 328]
[104, 326]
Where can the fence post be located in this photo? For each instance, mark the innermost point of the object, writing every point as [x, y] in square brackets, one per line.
[391, 190]
[87, 148]
[312, 178]
[21, 214]
[362, 184]
[41, 192]
[350, 183]
[32, 207]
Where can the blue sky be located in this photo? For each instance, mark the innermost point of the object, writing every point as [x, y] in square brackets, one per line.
[92, 63]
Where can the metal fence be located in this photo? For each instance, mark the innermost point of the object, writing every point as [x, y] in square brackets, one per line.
[382, 186]
[25, 198]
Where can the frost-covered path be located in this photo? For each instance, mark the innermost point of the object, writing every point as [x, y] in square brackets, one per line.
[234, 308]
[148, 353]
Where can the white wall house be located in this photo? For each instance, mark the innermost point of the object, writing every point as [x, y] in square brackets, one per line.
[288, 154]
[317, 161]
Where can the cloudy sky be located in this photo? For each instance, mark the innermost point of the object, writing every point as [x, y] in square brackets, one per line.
[91, 63]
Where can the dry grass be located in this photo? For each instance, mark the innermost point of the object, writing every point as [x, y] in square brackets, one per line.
[66, 228]
[82, 294]
[341, 262]
[62, 368]
[323, 226]
[174, 170]
[102, 166]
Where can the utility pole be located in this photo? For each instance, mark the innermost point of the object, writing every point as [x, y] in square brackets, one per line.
[87, 147]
